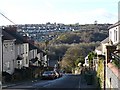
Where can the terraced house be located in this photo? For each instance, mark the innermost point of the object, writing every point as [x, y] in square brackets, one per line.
[19, 54]
[110, 49]
[113, 63]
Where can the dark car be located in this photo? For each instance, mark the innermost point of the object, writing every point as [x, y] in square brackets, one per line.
[49, 75]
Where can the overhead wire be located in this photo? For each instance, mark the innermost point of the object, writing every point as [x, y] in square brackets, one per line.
[7, 18]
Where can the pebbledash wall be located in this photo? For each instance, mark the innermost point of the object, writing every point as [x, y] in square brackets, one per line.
[114, 74]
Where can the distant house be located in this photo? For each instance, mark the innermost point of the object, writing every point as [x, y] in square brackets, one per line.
[98, 50]
[8, 52]
[36, 56]
[45, 61]
[33, 55]
[22, 59]
[40, 55]
[86, 61]
[26, 54]
[104, 43]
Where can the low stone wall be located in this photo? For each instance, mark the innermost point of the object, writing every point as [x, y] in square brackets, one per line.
[112, 77]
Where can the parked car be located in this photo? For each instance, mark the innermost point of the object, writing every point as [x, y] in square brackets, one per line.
[61, 73]
[49, 75]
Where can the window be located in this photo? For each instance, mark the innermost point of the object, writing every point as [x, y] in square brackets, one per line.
[12, 47]
[8, 65]
[26, 61]
[6, 46]
[116, 35]
[18, 62]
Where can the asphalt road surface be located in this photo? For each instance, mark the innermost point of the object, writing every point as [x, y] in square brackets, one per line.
[67, 82]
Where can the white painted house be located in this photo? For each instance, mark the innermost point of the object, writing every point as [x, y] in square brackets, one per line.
[33, 55]
[45, 61]
[22, 56]
[25, 54]
[104, 43]
[8, 53]
[36, 56]
[114, 33]
[21, 48]
[18, 55]
[40, 55]
[86, 61]
[22, 59]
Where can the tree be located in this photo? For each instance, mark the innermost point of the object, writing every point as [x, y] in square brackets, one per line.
[80, 60]
[91, 56]
[76, 53]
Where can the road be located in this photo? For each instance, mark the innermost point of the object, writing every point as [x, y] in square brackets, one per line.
[68, 81]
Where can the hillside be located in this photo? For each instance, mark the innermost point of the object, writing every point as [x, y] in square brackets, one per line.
[80, 37]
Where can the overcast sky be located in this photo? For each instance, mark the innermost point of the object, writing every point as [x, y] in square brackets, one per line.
[59, 11]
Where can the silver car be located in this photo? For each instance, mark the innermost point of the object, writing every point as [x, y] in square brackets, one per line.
[49, 75]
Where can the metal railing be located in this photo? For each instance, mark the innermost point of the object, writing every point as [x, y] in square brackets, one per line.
[116, 57]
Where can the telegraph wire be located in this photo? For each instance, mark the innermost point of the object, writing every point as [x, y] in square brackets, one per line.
[7, 18]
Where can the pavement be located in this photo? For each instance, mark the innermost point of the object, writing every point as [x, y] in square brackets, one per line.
[85, 86]
[17, 83]
[82, 84]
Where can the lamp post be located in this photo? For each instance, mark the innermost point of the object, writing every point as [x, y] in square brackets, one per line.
[104, 74]
[1, 58]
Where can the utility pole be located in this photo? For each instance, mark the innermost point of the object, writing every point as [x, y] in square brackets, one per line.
[1, 59]
[104, 74]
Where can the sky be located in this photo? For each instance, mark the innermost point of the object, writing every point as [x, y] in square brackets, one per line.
[59, 11]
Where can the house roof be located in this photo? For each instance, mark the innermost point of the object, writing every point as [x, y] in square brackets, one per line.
[99, 48]
[33, 60]
[7, 36]
[105, 40]
[114, 25]
[20, 39]
[35, 47]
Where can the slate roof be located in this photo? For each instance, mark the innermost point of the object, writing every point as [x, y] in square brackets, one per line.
[20, 39]
[33, 60]
[114, 25]
[105, 40]
[99, 48]
[7, 36]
